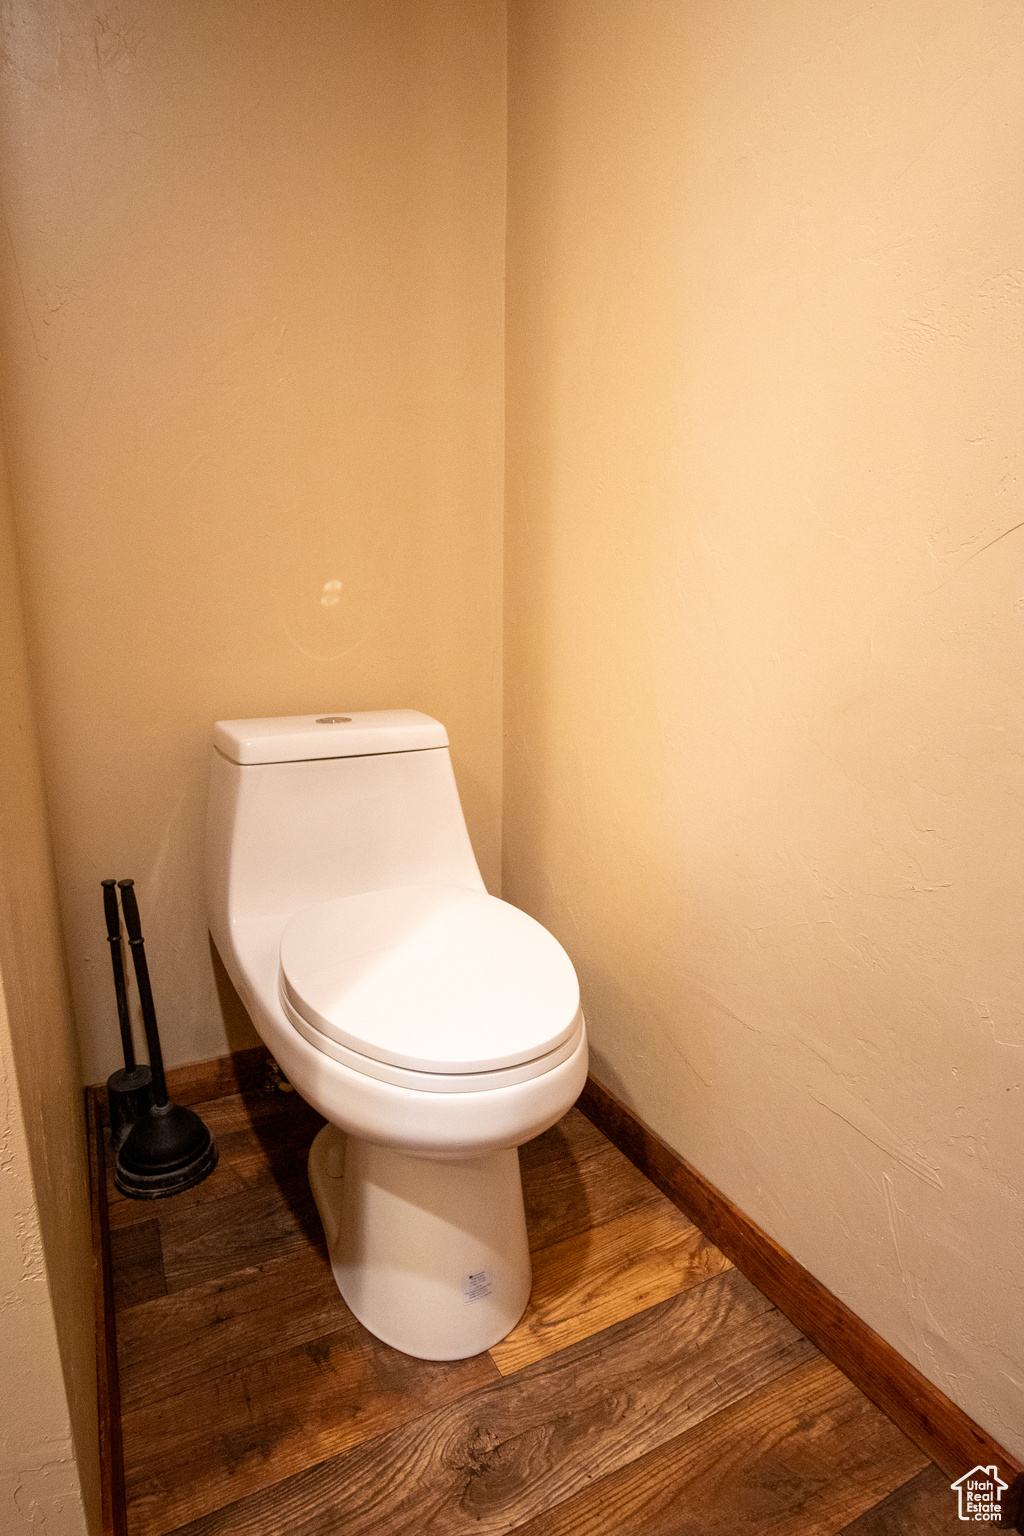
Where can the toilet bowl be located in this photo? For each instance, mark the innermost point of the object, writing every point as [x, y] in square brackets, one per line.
[434, 1027]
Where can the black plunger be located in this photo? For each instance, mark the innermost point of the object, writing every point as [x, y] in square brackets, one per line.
[169, 1149]
[129, 1092]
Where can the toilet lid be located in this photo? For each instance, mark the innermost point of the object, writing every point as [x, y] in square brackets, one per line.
[433, 978]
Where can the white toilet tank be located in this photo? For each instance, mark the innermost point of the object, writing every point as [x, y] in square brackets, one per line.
[307, 808]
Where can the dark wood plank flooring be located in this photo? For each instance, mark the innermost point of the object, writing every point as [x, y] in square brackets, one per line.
[650, 1388]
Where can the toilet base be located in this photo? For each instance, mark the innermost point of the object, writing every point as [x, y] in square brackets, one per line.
[432, 1257]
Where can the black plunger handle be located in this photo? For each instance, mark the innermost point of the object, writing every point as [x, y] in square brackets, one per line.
[113, 918]
[130, 908]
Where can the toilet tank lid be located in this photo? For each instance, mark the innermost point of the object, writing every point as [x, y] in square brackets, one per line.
[357, 733]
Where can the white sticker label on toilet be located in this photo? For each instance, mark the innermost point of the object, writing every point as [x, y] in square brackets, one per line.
[476, 1287]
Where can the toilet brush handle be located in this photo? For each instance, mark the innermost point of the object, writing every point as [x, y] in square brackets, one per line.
[113, 918]
[130, 908]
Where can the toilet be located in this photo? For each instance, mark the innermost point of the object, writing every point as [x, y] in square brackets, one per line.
[434, 1027]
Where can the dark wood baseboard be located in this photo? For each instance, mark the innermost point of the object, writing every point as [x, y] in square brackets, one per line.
[241, 1072]
[108, 1392]
[927, 1416]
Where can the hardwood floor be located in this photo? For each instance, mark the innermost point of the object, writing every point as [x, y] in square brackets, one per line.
[649, 1389]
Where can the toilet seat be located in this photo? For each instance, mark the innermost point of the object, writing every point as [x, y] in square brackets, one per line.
[430, 982]
[432, 1082]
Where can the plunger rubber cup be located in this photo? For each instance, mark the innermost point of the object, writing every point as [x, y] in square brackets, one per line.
[167, 1150]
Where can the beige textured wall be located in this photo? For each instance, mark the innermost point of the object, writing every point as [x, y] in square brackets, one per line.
[49, 1466]
[763, 613]
[39, 1481]
[251, 316]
